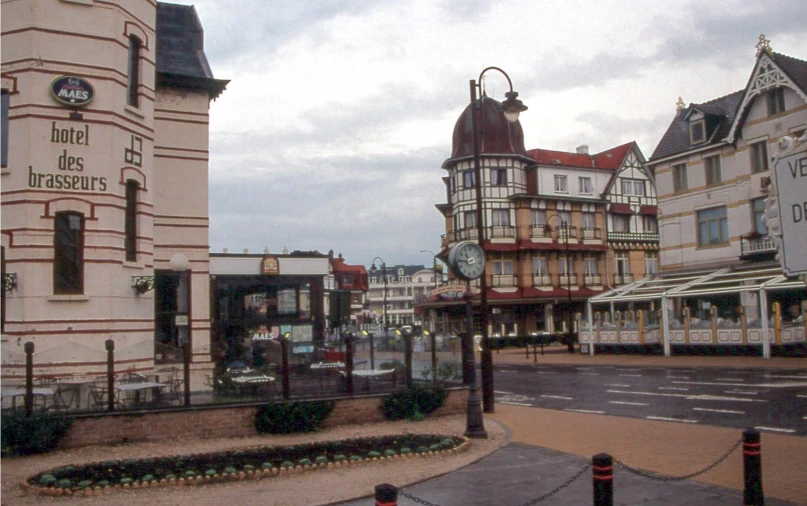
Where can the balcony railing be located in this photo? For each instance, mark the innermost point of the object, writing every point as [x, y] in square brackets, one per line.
[633, 236]
[757, 246]
[623, 279]
[565, 281]
[592, 233]
[504, 281]
[592, 279]
[563, 231]
[502, 231]
[540, 231]
[541, 280]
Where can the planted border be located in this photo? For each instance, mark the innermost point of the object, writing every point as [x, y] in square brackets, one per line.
[248, 463]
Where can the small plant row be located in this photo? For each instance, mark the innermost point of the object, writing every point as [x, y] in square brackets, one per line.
[249, 463]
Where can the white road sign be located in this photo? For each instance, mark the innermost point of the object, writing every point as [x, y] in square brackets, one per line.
[790, 181]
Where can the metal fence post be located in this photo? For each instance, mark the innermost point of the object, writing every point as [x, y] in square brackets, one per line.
[386, 495]
[109, 344]
[349, 362]
[29, 378]
[186, 371]
[752, 468]
[284, 365]
[602, 470]
[408, 357]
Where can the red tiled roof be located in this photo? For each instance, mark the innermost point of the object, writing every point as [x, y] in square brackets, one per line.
[610, 159]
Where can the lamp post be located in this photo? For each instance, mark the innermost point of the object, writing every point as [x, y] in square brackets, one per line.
[180, 265]
[434, 264]
[565, 227]
[511, 107]
[433, 343]
[373, 270]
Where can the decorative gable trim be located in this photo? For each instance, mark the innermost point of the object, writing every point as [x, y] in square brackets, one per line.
[767, 75]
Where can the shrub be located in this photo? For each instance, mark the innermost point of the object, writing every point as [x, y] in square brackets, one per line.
[38, 433]
[295, 416]
[412, 403]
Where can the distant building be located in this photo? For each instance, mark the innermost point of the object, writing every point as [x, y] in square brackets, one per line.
[405, 284]
[352, 279]
[105, 185]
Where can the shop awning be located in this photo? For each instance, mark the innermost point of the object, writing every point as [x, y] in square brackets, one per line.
[701, 284]
[649, 210]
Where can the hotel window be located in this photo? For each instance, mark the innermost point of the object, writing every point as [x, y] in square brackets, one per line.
[130, 223]
[501, 217]
[564, 219]
[4, 129]
[468, 179]
[590, 264]
[776, 101]
[650, 224]
[561, 185]
[713, 227]
[498, 177]
[538, 217]
[564, 264]
[588, 221]
[758, 211]
[712, 166]
[759, 156]
[585, 185]
[679, 173]
[621, 222]
[68, 253]
[621, 263]
[502, 266]
[470, 219]
[539, 266]
[697, 131]
[133, 82]
[651, 262]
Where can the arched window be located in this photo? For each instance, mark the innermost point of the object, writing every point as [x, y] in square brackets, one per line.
[130, 223]
[68, 253]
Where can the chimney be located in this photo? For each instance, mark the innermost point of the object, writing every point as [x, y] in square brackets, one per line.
[246, 251]
[224, 250]
[582, 149]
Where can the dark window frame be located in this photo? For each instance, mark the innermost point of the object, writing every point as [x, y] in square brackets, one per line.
[130, 220]
[713, 170]
[758, 151]
[68, 253]
[4, 101]
[697, 131]
[775, 100]
[708, 217]
[469, 178]
[133, 70]
[679, 175]
[498, 177]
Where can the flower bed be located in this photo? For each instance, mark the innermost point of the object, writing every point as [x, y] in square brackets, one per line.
[248, 463]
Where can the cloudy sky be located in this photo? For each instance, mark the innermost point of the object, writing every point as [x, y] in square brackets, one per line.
[339, 115]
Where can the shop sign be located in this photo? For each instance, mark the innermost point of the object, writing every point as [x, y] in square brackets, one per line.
[270, 265]
[72, 91]
[453, 292]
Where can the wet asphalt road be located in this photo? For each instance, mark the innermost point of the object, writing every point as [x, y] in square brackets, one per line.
[772, 400]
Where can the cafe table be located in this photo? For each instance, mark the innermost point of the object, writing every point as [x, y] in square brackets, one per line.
[20, 392]
[367, 374]
[252, 383]
[72, 385]
[137, 387]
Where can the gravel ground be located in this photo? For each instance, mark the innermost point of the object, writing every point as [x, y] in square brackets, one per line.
[319, 487]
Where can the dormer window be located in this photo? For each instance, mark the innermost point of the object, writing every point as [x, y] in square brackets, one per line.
[697, 131]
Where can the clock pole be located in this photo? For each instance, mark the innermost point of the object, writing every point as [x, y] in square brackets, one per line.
[474, 421]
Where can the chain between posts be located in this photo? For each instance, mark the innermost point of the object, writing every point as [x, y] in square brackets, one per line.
[653, 476]
[549, 494]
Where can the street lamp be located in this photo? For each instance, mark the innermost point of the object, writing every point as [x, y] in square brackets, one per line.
[565, 226]
[434, 264]
[511, 107]
[373, 270]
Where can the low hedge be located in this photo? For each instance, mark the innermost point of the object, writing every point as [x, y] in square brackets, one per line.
[38, 433]
[412, 403]
[292, 416]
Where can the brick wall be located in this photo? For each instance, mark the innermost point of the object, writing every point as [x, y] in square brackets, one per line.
[220, 421]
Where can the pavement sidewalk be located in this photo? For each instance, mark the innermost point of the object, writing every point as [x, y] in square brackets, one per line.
[548, 447]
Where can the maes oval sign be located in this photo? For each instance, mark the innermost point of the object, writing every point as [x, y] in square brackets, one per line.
[72, 91]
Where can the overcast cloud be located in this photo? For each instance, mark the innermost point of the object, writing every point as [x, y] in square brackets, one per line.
[340, 114]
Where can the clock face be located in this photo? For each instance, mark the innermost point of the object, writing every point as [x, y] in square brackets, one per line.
[467, 260]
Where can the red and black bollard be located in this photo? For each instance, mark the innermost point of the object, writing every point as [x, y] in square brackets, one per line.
[386, 495]
[602, 470]
[752, 468]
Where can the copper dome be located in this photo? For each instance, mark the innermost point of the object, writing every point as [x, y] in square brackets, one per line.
[498, 136]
